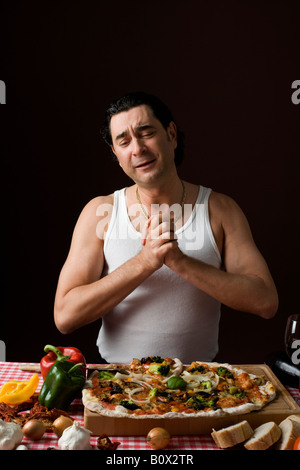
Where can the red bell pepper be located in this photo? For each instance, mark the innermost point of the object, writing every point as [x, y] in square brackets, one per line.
[60, 353]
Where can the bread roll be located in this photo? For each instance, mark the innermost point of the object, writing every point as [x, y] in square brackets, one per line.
[232, 435]
[264, 436]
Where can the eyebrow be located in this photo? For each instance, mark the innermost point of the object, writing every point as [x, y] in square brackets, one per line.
[141, 127]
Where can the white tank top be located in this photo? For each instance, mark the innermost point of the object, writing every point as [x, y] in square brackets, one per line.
[165, 315]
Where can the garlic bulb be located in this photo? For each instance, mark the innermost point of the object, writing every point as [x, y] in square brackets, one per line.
[75, 437]
[11, 435]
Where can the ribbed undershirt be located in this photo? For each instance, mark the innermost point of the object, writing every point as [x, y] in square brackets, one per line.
[165, 315]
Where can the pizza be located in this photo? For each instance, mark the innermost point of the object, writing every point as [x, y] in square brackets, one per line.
[156, 387]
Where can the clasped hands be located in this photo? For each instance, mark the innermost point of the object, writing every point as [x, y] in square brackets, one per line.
[159, 241]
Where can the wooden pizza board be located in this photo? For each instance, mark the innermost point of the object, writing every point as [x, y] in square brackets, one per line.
[277, 410]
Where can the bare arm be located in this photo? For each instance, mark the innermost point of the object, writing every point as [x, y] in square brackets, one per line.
[246, 283]
[82, 296]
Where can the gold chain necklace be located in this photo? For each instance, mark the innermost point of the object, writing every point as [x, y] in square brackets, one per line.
[144, 210]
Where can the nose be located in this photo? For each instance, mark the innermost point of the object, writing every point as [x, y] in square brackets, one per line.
[138, 147]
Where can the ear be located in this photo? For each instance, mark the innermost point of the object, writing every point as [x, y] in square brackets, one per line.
[172, 133]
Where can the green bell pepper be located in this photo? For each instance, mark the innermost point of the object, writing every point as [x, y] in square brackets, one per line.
[62, 383]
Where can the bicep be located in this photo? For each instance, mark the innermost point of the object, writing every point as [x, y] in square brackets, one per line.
[85, 260]
[82, 267]
[241, 255]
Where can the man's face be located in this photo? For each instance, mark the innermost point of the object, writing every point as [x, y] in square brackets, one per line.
[143, 147]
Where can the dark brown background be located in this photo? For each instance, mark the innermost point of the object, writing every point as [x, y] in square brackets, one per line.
[224, 68]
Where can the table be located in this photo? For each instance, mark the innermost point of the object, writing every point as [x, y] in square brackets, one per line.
[11, 371]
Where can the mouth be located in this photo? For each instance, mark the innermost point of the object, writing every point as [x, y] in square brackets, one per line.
[145, 164]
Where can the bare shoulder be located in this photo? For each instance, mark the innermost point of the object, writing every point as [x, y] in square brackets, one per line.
[228, 221]
[225, 210]
[220, 202]
[95, 216]
[94, 205]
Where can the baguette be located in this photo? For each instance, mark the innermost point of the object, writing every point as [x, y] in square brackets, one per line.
[290, 430]
[263, 437]
[232, 435]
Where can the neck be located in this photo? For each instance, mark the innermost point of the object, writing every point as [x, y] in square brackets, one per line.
[163, 193]
[163, 201]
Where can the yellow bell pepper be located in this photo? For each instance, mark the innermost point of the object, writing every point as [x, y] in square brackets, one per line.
[18, 391]
[12, 386]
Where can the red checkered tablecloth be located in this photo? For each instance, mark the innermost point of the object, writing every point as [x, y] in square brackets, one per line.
[12, 371]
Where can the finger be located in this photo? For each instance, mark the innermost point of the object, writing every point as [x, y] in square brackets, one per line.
[160, 217]
[145, 231]
[164, 230]
[169, 236]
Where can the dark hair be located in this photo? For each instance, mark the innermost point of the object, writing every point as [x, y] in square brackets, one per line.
[159, 109]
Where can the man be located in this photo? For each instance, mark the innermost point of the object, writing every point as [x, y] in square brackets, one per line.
[157, 277]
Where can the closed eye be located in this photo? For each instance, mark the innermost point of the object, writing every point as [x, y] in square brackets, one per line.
[145, 130]
[147, 134]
